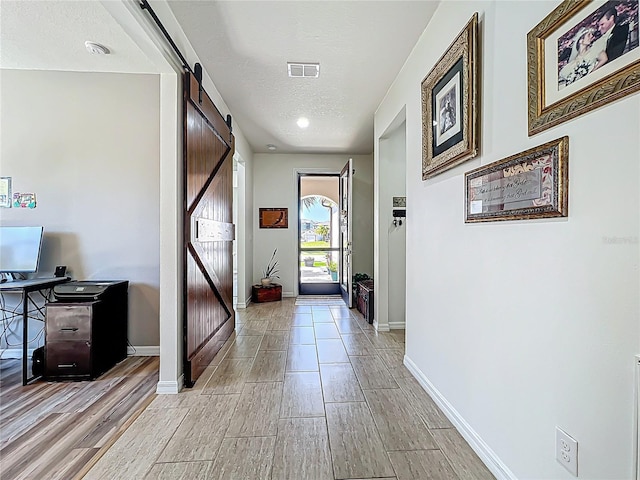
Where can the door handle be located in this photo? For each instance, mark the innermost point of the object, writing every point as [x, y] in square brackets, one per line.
[69, 329]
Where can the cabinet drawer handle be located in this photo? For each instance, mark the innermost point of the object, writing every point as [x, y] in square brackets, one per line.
[67, 365]
[69, 329]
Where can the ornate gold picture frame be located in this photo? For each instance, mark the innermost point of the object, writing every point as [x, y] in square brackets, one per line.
[583, 55]
[531, 184]
[450, 105]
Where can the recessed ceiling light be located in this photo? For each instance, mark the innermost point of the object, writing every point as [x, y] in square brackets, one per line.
[303, 122]
[96, 48]
[271, 147]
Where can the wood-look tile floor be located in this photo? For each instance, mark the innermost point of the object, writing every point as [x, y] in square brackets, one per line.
[57, 430]
[299, 392]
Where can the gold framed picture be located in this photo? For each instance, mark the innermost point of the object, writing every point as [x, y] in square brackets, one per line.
[450, 105]
[583, 55]
[531, 184]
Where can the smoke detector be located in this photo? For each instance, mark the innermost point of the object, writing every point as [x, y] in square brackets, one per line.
[96, 48]
[303, 70]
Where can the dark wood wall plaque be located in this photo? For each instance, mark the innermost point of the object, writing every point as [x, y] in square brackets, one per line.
[274, 218]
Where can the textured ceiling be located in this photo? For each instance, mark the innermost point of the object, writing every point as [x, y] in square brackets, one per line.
[50, 35]
[245, 47]
[360, 45]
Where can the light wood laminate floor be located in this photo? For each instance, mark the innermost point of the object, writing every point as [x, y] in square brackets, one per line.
[299, 392]
[57, 430]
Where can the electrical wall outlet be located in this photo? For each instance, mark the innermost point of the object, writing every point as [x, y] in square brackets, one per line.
[567, 451]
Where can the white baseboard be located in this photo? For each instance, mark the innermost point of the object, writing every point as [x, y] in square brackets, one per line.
[15, 353]
[397, 325]
[636, 421]
[143, 351]
[388, 326]
[288, 294]
[243, 305]
[488, 456]
[170, 387]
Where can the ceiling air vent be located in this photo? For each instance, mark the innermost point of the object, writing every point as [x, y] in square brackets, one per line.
[303, 70]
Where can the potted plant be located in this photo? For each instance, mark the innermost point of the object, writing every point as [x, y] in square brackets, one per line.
[333, 269]
[270, 270]
[358, 277]
[309, 261]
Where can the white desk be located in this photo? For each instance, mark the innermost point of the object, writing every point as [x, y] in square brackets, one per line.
[25, 288]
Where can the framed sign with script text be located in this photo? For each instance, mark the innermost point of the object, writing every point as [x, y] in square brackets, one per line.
[531, 184]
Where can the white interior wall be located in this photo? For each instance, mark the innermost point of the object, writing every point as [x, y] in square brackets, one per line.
[390, 241]
[171, 268]
[97, 138]
[519, 327]
[243, 229]
[362, 218]
[249, 232]
[276, 185]
[235, 219]
[393, 184]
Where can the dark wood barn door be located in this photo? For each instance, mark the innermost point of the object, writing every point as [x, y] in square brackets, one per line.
[208, 229]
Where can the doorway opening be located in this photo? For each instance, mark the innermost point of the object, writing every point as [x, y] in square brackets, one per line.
[318, 234]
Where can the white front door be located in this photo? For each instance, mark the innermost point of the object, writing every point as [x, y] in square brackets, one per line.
[346, 270]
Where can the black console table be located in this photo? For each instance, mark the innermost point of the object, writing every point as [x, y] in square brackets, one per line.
[26, 288]
[365, 299]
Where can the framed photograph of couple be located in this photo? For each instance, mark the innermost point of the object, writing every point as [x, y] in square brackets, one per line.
[449, 105]
[583, 55]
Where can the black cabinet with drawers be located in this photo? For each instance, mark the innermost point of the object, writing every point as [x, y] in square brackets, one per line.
[85, 338]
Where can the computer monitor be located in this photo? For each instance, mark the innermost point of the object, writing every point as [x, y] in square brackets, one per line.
[20, 249]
